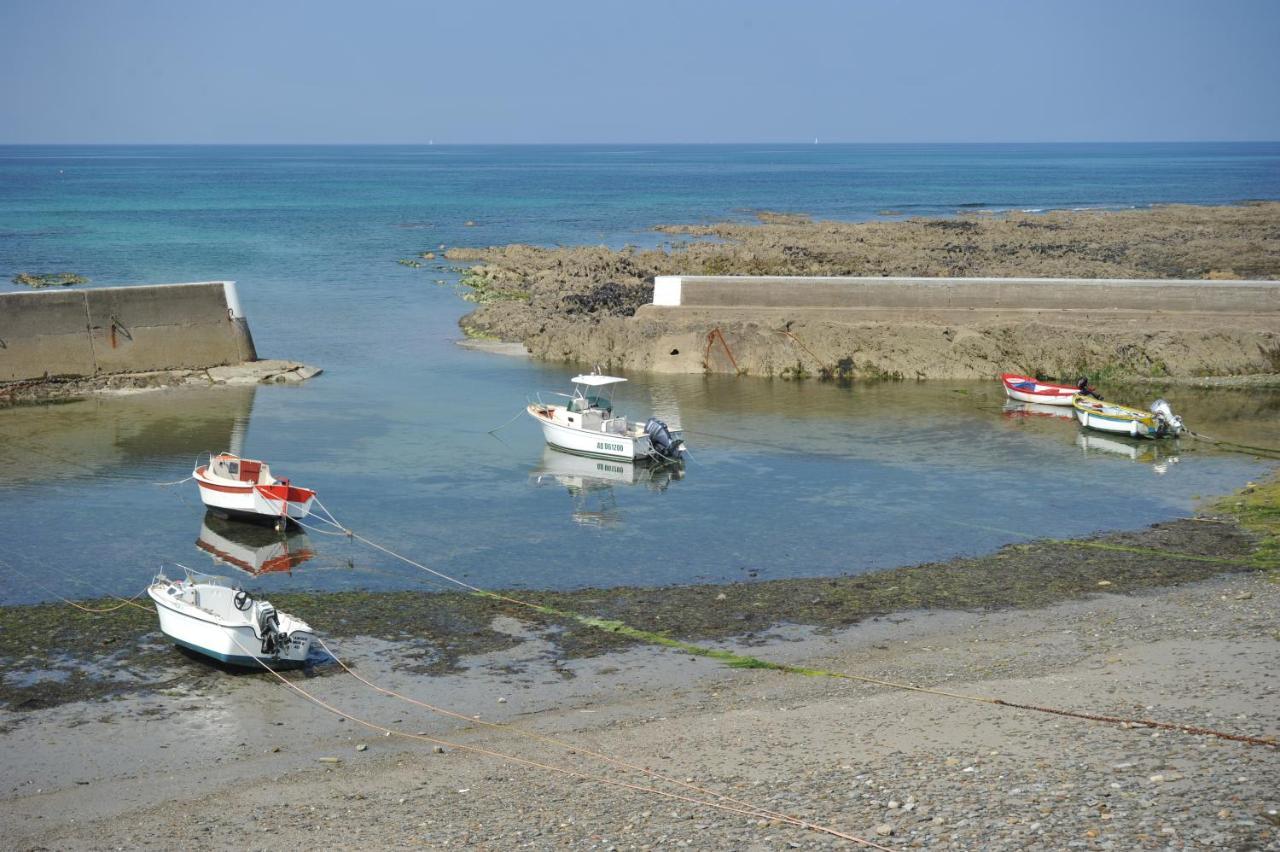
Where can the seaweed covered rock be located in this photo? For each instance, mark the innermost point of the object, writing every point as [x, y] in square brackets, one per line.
[39, 280]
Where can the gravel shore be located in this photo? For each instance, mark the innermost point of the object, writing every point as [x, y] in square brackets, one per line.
[245, 763]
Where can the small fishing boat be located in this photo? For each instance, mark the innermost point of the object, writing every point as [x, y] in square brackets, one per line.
[213, 616]
[1028, 389]
[246, 489]
[584, 423]
[1158, 422]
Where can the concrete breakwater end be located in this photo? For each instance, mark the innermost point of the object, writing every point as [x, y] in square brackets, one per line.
[130, 337]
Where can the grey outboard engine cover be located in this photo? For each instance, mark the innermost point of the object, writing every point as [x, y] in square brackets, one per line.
[661, 438]
[273, 638]
[1171, 424]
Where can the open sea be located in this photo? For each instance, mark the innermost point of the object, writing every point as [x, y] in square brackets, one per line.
[788, 479]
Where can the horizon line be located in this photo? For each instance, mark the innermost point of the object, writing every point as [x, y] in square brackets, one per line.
[434, 144]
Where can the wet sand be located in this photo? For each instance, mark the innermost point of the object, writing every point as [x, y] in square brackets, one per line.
[243, 763]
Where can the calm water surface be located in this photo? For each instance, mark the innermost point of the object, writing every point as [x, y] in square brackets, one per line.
[788, 479]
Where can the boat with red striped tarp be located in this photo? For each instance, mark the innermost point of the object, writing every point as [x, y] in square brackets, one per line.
[1030, 389]
[241, 488]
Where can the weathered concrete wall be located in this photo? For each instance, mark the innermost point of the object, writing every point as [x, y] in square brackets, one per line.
[969, 294]
[122, 329]
[945, 327]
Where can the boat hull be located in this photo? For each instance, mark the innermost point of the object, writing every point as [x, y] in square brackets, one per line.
[1117, 419]
[588, 442]
[1027, 389]
[251, 502]
[234, 644]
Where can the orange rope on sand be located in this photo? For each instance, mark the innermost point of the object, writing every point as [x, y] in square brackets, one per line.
[747, 810]
[124, 602]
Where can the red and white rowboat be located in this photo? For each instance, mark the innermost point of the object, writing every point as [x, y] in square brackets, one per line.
[245, 488]
[1027, 389]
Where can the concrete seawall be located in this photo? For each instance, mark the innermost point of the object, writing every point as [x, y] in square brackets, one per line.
[87, 333]
[969, 294]
[950, 327]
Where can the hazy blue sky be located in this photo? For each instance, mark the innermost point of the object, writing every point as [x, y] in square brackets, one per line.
[641, 71]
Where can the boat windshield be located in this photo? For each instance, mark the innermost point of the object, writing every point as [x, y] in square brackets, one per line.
[586, 397]
[194, 576]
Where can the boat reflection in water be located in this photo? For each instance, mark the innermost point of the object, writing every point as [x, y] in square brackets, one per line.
[590, 482]
[1160, 455]
[1038, 409]
[253, 549]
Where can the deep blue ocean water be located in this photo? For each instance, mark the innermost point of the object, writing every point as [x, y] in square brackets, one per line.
[394, 434]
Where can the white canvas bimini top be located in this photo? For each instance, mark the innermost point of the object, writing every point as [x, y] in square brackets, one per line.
[595, 381]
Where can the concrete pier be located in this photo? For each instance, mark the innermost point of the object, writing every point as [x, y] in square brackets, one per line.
[108, 330]
[954, 327]
[968, 294]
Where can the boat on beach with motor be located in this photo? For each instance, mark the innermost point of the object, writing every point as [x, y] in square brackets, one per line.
[211, 615]
[1157, 422]
[584, 422]
[1028, 389]
[246, 489]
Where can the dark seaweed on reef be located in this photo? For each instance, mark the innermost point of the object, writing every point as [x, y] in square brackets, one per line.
[441, 629]
[610, 299]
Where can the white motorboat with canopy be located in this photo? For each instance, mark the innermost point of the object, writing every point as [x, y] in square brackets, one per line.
[215, 617]
[585, 423]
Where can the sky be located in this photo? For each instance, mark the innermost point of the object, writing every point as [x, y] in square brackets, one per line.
[650, 71]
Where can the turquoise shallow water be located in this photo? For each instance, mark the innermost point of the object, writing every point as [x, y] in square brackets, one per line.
[789, 479]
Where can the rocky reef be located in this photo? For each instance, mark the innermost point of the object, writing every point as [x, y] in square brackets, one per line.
[580, 304]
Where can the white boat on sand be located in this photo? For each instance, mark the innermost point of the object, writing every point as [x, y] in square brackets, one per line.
[214, 617]
[246, 489]
[584, 423]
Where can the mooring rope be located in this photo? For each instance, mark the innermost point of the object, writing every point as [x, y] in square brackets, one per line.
[505, 425]
[123, 602]
[1232, 447]
[747, 810]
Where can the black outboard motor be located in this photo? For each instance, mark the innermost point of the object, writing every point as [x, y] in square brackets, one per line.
[660, 436]
[1085, 390]
[274, 639]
